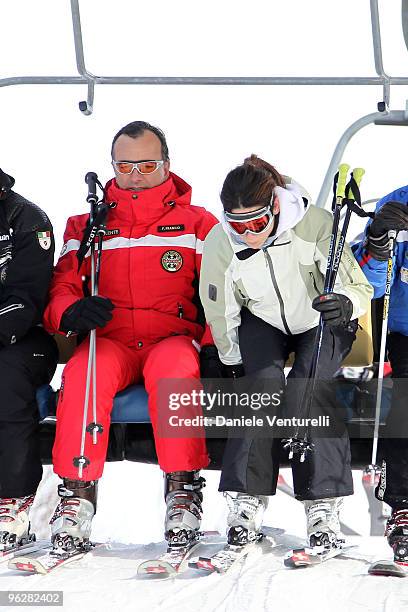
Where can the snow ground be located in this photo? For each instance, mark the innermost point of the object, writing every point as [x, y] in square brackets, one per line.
[130, 516]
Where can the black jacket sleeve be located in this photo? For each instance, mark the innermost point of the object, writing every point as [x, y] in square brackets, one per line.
[26, 272]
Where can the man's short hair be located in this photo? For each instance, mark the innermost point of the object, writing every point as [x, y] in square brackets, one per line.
[137, 128]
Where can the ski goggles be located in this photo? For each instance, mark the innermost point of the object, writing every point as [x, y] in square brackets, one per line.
[145, 166]
[252, 223]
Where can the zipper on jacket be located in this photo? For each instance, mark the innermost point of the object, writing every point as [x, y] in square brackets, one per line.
[10, 308]
[278, 293]
[180, 310]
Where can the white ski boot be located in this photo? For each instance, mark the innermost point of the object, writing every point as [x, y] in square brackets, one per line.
[323, 523]
[245, 517]
[14, 522]
[183, 515]
[72, 519]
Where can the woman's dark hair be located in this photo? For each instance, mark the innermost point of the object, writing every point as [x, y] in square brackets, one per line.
[136, 129]
[250, 184]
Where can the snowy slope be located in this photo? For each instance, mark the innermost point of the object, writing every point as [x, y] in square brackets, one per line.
[130, 516]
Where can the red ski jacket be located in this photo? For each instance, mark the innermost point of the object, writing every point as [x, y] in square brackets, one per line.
[149, 267]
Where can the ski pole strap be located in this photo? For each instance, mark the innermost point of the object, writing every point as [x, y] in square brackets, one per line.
[352, 191]
[354, 184]
[91, 232]
[360, 212]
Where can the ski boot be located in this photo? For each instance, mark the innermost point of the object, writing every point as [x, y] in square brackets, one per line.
[245, 518]
[72, 519]
[396, 532]
[323, 523]
[14, 522]
[183, 515]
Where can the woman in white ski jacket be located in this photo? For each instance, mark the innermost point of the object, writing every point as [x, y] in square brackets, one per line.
[261, 286]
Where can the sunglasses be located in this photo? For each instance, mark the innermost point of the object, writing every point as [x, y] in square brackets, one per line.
[252, 223]
[145, 166]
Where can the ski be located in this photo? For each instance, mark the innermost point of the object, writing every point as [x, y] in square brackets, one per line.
[44, 562]
[29, 547]
[388, 568]
[305, 557]
[229, 555]
[224, 559]
[173, 562]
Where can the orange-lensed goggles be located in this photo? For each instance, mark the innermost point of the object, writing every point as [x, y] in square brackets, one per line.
[253, 223]
[145, 166]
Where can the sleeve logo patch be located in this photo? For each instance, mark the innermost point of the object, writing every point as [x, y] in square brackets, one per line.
[171, 228]
[172, 261]
[44, 240]
[112, 232]
[404, 275]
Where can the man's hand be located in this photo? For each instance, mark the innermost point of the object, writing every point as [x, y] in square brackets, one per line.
[391, 216]
[86, 314]
[336, 308]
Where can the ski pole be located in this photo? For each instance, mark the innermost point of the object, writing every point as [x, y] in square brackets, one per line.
[392, 234]
[303, 445]
[94, 428]
[333, 263]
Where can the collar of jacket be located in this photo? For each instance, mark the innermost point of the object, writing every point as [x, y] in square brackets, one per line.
[6, 183]
[149, 204]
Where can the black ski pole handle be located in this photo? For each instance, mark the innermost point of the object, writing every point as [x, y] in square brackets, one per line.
[91, 179]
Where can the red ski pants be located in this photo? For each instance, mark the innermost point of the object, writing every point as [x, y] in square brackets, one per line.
[118, 366]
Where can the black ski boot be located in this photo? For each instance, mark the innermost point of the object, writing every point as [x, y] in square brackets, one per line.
[396, 532]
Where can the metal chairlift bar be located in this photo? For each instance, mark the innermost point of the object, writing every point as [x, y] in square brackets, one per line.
[107, 80]
[375, 28]
[378, 61]
[87, 76]
[396, 117]
[79, 47]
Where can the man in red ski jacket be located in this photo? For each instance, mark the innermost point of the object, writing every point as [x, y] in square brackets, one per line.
[146, 322]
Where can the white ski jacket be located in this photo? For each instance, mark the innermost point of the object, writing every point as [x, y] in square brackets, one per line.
[279, 282]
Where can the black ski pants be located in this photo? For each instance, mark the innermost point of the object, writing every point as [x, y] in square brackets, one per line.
[252, 465]
[24, 367]
[393, 443]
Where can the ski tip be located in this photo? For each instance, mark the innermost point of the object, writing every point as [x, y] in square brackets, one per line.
[26, 565]
[388, 568]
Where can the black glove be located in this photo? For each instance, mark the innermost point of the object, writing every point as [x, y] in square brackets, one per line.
[210, 363]
[86, 314]
[234, 371]
[391, 216]
[336, 308]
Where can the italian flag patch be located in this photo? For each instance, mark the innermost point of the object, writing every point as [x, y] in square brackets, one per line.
[44, 240]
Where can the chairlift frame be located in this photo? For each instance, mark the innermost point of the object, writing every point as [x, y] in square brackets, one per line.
[383, 116]
[144, 449]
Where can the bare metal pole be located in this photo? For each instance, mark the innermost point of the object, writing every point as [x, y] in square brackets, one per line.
[85, 106]
[378, 61]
